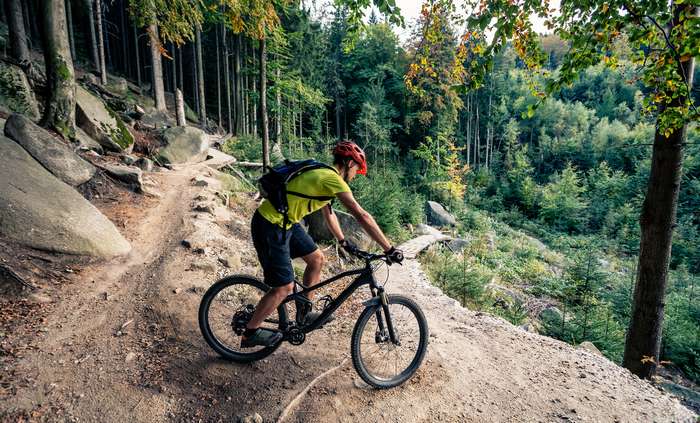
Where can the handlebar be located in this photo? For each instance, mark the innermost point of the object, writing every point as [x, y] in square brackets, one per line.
[370, 257]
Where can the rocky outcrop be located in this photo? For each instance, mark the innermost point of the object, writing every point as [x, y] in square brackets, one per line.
[184, 144]
[42, 212]
[351, 229]
[101, 123]
[57, 157]
[437, 215]
[129, 175]
[16, 95]
[423, 229]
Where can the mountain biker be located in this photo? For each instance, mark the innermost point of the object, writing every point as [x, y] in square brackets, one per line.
[276, 246]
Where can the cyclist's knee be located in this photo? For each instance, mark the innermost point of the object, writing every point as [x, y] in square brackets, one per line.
[283, 291]
[315, 259]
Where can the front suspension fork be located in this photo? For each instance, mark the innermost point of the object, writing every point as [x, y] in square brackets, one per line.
[384, 302]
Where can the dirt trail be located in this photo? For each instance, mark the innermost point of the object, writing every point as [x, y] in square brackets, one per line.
[123, 345]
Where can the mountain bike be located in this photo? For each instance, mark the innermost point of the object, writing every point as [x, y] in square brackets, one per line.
[388, 342]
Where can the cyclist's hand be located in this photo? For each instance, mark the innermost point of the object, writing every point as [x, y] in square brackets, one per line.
[394, 256]
[349, 246]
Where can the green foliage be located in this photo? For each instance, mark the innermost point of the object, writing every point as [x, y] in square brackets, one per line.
[562, 204]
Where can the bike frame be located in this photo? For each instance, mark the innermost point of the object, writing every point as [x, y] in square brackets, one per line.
[365, 277]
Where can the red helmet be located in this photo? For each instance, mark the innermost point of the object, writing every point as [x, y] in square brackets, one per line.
[350, 150]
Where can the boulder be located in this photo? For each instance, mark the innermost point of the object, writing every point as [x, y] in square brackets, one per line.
[184, 144]
[437, 215]
[351, 229]
[57, 157]
[42, 212]
[101, 123]
[129, 175]
[16, 94]
[456, 245]
[85, 142]
[117, 85]
[156, 119]
[423, 229]
[144, 164]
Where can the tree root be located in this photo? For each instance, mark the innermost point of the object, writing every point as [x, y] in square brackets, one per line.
[289, 409]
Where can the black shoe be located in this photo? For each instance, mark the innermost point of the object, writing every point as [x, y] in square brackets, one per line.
[313, 315]
[261, 337]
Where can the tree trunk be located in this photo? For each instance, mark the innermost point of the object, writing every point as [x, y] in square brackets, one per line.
[69, 23]
[100, 43]
[93, 35]
[124, 37]
[59, 113]
[31, 25]
[195, 85]
[200, 80]
[657, 221]
[173, 68]
[254, 113]
[18, 36]
[218, 76]
[263, 104]
[337, 115]
[227, 76]
[180, 108]
[138, 57]
[278, 126]
[157, 68]
[238, 91]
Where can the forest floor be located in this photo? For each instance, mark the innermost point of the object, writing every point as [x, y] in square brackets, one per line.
[119, 341]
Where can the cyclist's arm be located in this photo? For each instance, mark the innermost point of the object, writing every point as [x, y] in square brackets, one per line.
[365, 219]
[332, 223]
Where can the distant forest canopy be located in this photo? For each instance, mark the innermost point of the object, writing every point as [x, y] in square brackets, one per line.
[438, 118]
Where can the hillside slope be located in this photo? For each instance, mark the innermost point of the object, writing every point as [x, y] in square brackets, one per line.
[121, 343]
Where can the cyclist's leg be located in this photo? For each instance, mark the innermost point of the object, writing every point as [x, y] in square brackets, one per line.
[272, 246]
[302, 245]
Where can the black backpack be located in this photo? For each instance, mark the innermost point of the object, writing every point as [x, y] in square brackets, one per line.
[273, 184]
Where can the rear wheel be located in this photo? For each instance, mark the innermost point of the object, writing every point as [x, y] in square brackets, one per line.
[379, 361]
[225, 310]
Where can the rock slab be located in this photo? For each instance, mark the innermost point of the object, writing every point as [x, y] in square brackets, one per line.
[40, 211]
[100, 122]
[184, 144]
[57, 157]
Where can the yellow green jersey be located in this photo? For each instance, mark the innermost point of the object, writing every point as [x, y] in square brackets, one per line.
[321, 182]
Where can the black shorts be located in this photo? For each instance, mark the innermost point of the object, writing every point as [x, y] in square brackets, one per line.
[276, 249]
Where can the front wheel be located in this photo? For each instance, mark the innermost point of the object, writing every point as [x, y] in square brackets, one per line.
[225, 310]
[377, 359]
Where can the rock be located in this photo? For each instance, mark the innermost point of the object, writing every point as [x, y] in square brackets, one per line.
[117, 85]
[204, 207]
[437, 215]
[252, 418]
[85, 142]
[37, 298]
[276, 155]
[130, 175]
[588, 346]
[57, 157]
[144, 164]
[40, 211]
[157, 119]
[16, 95]
[91, 78]
[100, 122]
[423, 229]
[128, 159]
[131, 356]
[491, 241]
[232, 262]
[458, 244]
[184, 144]
[351, 228]
[198, 181]
[204, 266]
